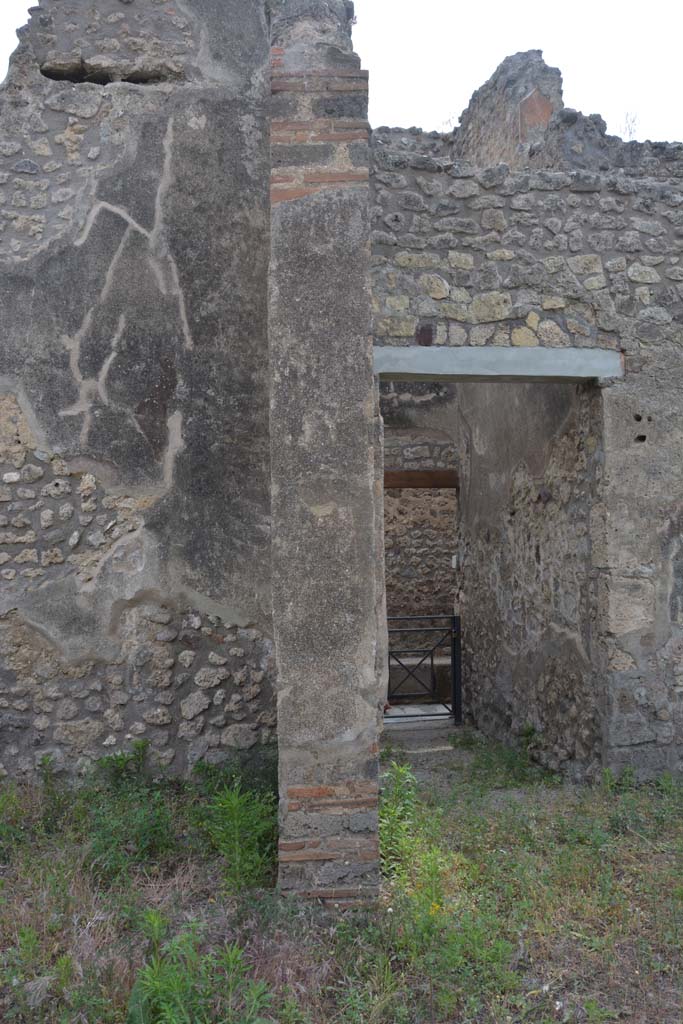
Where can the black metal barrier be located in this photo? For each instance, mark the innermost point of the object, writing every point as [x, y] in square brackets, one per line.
[425, 640]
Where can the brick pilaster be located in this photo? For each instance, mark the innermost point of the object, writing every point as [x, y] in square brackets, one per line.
[323, 482]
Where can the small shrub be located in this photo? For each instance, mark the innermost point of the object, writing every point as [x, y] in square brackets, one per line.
[180, 985]
[397, 817]
[125, 768]
[129, 829]
[242, 826]
[623, 783]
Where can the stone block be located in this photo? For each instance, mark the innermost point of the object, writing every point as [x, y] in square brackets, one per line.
[491, 306]
[631, 605]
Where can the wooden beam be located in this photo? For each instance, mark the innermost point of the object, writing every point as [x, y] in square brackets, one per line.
[443, 479]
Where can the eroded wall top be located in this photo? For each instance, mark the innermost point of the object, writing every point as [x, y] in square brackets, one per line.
[508, 114]
[519, 118]
[113, 41]
[313, 34]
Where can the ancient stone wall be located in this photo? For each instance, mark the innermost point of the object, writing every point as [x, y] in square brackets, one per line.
[507, 117]
[419, 524]
[419, 539]
[190, 474]
[134, 443]
[574, 141]
[530, 464]
[464, 255]
[491, 257]
[139, 221]
[519, 118]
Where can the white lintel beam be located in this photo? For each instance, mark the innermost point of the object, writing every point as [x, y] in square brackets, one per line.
[442, 363]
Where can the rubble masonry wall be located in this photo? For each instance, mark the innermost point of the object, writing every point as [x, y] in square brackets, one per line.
[465, 255]
[134, 441]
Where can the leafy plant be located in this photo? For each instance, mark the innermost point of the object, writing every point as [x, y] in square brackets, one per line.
[127, 768]
[155, 927]
[624, 782]
[397, 816]
[389, 753]
[180, 985]
[242, 826]
[289, 1012]
[126, 830]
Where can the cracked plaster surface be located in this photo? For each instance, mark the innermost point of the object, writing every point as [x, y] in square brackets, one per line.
[133, 403]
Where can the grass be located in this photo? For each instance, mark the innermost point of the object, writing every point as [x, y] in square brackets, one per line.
[508, 898]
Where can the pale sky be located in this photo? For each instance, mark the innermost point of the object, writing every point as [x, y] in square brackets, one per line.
[426, 57]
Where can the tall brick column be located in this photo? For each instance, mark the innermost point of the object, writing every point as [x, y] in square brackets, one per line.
[323, 429]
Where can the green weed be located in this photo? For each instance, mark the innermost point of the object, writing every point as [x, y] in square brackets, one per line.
[257, 773]
[13, 831]
[125, 769]
[56, 799]
[501, 902]
[182, 985]
[397, 817]
[242, 826]
[596, 1015]
[129, 830]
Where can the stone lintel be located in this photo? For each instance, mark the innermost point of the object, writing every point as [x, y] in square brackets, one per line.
[414, 362]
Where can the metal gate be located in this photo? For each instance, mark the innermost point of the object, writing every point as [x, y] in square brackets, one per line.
[423, 648]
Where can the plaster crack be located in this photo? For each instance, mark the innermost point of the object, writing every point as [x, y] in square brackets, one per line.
[157, 239]
[87, 387]
[106, 366]
[175, 445]
[117, 211]
[167, 276]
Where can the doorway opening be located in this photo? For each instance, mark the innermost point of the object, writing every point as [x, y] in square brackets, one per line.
[508, 549]
[420, 522]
